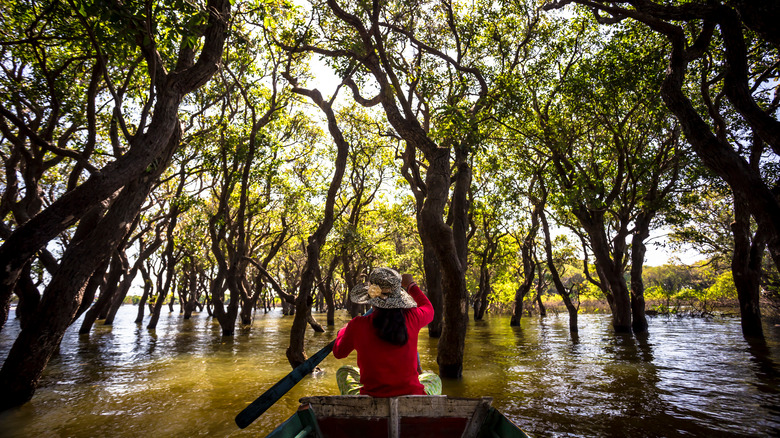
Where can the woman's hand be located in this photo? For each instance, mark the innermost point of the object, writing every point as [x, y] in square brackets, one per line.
[406, 280]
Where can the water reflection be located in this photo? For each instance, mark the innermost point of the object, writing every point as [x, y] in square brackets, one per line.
[687, 377]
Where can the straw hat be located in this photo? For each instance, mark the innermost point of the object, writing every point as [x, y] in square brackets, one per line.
[383, 289]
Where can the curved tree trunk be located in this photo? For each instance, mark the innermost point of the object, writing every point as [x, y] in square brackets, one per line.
[562, 291]
[106, 295]
[480, 301]
[529, 267]
[29, 297]
[295, 351]
[442, 238]
[133, 175]
[609, 263]
[34, 346]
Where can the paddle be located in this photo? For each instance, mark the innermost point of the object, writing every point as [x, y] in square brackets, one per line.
[265, 401]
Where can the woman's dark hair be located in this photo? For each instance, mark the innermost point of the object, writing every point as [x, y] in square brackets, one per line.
[390, 325]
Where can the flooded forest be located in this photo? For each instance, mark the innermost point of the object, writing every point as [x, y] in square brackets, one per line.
[190, 188]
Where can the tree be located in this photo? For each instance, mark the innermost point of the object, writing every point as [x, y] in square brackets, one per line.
[427, 78]
[612, 155]
[175, 66]
[729, 118]
[303, 302]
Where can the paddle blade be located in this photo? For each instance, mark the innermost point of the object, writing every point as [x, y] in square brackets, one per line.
[282, 387]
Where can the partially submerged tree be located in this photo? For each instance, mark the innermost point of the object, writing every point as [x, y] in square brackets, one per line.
[105, 39]
[728, 52]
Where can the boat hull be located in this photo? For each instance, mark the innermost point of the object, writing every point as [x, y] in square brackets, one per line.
[406, 416]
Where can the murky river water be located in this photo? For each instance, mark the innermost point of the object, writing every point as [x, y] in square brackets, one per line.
[689, 377]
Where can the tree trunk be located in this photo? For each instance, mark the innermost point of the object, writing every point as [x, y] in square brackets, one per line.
[34, 346]
[106, 295]
[609, 264]
[173, 297]
[433, 286]
[483, 290]
[97, 281]
[562, 291]
[539, 291]
[145, 296]
[169, 258]
[119, 299]
[638, 250]
[295, 351]
[29, 297]
[441, 237]
[746, 269]
[329, 294]
[517, 312]
[190, 301]
[529, 267]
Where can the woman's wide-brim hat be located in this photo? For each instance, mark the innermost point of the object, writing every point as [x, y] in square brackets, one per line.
[383, 289]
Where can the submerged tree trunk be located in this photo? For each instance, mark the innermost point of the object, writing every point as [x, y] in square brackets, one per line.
[520, 294]
[148, 285]
[106, 295]
[449, 247]
[433, 286]
[29, 297]
[609, 263]
[480, 301]
[329, 294]
[540, 291]
[295, 351]
[638, 251]
[529, 267]
[746, 269]
[562, 291]
[34, 346]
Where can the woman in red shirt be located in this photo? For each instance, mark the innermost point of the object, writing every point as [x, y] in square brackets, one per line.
[386, 339]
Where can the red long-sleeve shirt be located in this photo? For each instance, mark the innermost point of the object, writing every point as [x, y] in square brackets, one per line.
[386, 370]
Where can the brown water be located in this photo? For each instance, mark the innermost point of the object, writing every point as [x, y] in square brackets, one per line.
[689, 377]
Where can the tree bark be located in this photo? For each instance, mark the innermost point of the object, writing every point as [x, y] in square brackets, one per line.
[609, 262]
[562, 291]
[433, 285]
[148, 285]
[134, 174]
[34, 347]
[29, 297]
[638, 251]
[295, 351]
[540, 291]
[441, 238]
[106, 295]
[480, 301]
[529, 268]
[746, 269]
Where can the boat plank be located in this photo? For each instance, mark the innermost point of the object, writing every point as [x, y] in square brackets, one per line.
[408, 406]
[407, 416]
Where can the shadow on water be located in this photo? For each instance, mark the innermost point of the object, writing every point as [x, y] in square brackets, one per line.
[686, 377]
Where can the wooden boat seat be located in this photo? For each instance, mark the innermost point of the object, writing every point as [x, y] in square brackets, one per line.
[411, 416]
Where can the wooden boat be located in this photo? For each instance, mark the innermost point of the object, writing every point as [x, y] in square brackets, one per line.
[361, 416]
